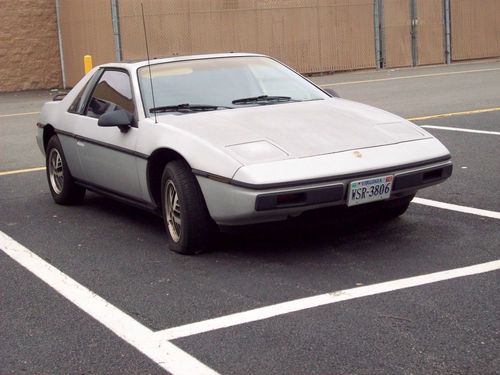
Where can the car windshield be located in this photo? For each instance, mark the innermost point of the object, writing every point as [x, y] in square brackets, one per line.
[230, 82]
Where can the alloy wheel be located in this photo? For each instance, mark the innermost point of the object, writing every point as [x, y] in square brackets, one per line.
[56, 172]
[173, 211]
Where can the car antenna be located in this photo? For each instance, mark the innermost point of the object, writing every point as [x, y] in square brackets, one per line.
[149, 62]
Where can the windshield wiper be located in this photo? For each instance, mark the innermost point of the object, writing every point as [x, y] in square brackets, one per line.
[262, 99]
[186, 107]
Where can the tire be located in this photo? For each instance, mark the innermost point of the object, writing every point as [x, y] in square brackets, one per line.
[189, 227]
[61, 183]
[396, 207]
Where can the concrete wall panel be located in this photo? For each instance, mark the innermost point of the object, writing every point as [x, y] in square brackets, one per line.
[430, 32]
[397, 33]
[475, 29]
[309, 35]
[87, 30]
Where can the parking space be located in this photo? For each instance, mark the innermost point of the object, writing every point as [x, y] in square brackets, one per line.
[43, 333]
[119, 253]
[414, 331]
[485, 121]
[476, 159]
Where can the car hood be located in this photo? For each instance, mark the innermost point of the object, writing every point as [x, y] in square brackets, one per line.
[296, 130]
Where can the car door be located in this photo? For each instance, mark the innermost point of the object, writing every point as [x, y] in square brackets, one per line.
[107, 154]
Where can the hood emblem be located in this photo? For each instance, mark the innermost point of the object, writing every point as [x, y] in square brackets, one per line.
[358, 154]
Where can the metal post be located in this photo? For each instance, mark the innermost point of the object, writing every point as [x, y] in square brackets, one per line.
[378, 12]
[447, 33]
[59, 37]
[376, 24]
[414, 25]
[115, 19]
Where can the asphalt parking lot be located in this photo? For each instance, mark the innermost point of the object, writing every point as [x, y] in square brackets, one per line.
[313, 295]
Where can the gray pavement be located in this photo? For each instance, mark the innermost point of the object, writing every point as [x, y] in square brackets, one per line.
[405, 332]
[42, 333]
[435, 90]
[476, 159]
[119, 252]
[18, 147]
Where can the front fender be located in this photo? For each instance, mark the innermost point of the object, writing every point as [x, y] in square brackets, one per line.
[199, 154]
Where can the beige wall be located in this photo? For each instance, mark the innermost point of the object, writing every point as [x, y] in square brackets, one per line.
[86, 30]
[397, 33]
[309, 35]
[475, 29]
[29, 52]
[430, 32]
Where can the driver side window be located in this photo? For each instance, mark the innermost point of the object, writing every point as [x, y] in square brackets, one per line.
[112, 92]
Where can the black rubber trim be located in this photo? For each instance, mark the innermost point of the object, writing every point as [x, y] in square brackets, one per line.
[68, 134]
[421, 177]
[83, 96]
[118, 196]
[212, 176]
[321, 179]
[308, 197]
[103, 144]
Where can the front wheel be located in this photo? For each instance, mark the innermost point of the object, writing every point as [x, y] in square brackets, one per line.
[188, 224]
[61, 183]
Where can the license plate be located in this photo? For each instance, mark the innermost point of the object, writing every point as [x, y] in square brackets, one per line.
[369, 190]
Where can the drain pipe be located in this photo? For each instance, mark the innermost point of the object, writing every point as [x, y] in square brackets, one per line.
[447, 23]
[414, 32]
[115, 19]
[59, 37]
[376, 23]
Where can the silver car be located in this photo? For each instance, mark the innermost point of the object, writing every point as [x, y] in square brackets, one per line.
[229, 139]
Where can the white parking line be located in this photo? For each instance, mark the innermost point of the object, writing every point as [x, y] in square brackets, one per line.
[163, 353]
[17, 171]
[460, 129]
[20, 114]
[320, 300]
[410, 77]
[455, 207]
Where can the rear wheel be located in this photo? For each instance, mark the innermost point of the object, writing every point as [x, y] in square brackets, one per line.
[188, 224]
[396, 207]
[61, 184]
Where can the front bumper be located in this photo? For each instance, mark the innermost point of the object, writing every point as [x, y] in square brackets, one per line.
[230, 204]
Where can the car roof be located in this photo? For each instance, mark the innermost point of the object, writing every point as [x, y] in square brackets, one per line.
[139, 63]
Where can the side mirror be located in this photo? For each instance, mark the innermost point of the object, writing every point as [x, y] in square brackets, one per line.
[332, 92]
[120, 118]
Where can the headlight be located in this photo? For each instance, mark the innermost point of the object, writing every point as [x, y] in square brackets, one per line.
[257, 151]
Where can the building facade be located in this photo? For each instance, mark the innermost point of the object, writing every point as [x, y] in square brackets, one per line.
[43, 41]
